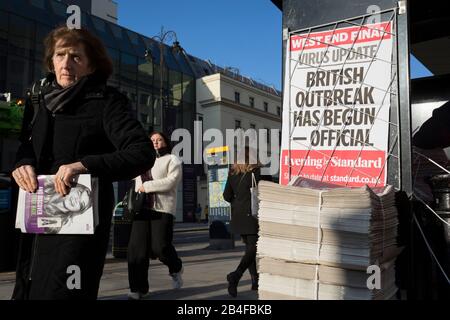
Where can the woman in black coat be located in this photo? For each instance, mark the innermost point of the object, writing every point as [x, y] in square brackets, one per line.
[77, 125]
[237, 193]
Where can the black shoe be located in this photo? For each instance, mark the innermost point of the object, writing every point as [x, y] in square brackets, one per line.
[233, 280]
[255, 280]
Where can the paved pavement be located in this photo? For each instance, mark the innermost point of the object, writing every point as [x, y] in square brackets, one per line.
[204, 275]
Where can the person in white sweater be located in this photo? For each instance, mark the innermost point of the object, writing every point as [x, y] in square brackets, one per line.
[152, 228]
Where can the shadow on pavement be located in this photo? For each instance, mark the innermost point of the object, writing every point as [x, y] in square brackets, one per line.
[185, 293]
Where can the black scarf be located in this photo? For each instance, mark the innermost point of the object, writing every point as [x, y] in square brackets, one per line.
[162, 152]
[59, 97]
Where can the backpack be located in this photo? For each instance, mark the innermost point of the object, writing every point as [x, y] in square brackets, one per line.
[35, 95]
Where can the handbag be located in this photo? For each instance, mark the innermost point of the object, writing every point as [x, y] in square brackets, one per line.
[254, 197]
[132, 203]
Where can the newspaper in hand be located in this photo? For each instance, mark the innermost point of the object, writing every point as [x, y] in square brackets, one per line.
[47, 212]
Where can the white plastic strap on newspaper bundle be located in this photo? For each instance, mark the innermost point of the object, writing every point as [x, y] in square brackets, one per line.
[319, 244]
[429, 249]
[432, 161]
[419, 162]
[415, 176]
[116, 206]
[431, 209]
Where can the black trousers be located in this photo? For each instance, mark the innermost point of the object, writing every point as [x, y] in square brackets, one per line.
[151, 237]
[248, 261]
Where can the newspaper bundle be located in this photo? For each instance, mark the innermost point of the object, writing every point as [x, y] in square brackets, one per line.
[317, 241]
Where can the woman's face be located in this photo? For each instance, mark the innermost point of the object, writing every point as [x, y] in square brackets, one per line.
[70, 63]
[77, 200]
[158, 141]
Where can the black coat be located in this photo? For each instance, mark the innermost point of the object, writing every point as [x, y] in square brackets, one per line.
[97, 129]
[435, 132]
[237, 192]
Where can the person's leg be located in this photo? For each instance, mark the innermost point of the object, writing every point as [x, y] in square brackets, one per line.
[161, 239]
[138, 257]
[97, 257]
[248, 261]
[21, 287]
[251, 241]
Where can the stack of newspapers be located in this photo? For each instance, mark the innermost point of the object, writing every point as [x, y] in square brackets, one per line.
[47, 212]
[326, 242]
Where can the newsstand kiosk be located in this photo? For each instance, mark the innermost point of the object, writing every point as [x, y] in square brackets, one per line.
[348, 101]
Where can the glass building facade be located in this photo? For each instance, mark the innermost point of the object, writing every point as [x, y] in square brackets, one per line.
[25, 23]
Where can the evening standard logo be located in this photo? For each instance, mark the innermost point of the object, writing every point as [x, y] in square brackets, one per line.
[49, 222]
[335, 161]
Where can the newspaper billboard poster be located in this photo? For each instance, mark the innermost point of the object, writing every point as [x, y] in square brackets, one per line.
[336, 105]
[218, 169]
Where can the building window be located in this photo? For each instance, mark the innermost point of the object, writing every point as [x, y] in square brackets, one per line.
[237, 124]
[117, 31]
[38, 3]
[251, 102]
[237, 97]
[252, 126]
[266, 107]
[133, 38]
[279, 111]
[144, 100]
[268, 135]
[99, 24]
[59, 8]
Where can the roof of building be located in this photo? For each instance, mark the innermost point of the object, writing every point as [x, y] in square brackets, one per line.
[278, 3]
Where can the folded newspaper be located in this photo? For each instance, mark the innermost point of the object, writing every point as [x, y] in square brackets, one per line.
[317, 241]
[47, 212]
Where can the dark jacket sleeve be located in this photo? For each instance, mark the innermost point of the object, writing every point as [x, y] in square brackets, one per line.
[435, 132]
[134, 153]
[259, 176]
[25, 154]
[228, 194]
[265, 178]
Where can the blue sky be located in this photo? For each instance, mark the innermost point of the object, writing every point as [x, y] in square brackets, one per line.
[245, 34]
[418, 70]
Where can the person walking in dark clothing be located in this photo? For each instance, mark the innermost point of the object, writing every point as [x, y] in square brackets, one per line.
[237, 193]
[74, 124]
